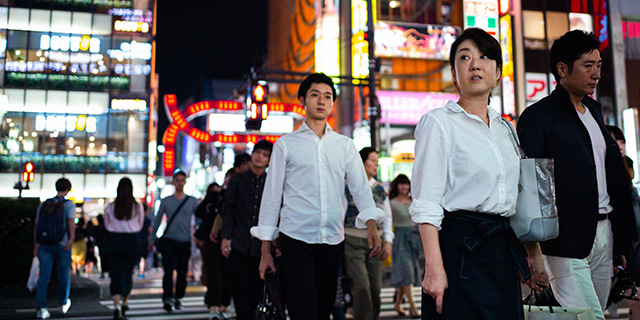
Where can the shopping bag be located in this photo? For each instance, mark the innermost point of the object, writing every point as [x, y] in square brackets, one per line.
[557, 313]
[270, 307]
[33, 274]
[536, 217]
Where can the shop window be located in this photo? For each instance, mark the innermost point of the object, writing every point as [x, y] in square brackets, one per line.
[18, 19]
[35, 99]
[4, 16]
[81, 23]
[582, 21]
[40, 20]
[60, 21]
[557, 25]
[534, 30]
[56, 100]
[101, 24]
[17, 39]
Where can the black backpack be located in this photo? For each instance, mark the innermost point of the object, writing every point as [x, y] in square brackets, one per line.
[51, 225]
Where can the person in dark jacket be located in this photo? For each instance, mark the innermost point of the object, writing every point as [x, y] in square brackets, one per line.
[592, 195]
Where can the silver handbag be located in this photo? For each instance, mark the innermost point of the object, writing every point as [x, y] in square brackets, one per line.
[536, 217]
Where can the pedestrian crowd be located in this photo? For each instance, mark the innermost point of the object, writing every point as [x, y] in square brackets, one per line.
[308, 214]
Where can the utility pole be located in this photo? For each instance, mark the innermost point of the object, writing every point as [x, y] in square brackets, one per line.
[374, 107]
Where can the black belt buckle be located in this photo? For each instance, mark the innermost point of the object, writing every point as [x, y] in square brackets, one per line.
[602, 217]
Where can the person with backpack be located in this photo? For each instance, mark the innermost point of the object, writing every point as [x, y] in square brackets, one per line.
[53, 237]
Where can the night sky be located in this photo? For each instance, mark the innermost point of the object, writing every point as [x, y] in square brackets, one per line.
[200, 39]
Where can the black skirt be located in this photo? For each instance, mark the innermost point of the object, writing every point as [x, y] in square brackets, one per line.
[482, 258]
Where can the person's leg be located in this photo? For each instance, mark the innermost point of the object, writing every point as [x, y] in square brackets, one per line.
[600, 261]
[328, 259]
[408, 291]
[168, 265]
[211, 298]
[400, 292]
[356, 253]
[63, 263]
[182, 266]
[298, 271]
[374, 270]
[247, 280]
[46, 264]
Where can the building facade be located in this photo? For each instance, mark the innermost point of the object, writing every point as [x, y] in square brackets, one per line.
[77, 99]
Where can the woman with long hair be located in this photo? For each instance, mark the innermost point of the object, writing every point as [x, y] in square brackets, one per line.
[464, 189]
[406, 245]
[123, 218]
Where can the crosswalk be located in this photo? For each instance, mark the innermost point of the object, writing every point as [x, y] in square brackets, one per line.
[151, 308]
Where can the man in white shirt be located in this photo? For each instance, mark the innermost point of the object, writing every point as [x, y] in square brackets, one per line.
[303, 192]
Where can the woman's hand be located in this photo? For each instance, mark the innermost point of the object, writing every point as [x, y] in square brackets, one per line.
[539, 276]
[435, 283]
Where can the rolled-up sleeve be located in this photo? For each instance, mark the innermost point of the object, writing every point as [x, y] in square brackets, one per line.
[429, 173]
[267, 229]
[361, 190]
[387, 224]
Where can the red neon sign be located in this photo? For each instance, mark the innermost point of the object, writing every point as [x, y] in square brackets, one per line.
[259, 93]
[180, 124]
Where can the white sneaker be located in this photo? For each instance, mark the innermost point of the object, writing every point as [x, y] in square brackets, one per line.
[613, 310]
[65, 307]
[43, 313]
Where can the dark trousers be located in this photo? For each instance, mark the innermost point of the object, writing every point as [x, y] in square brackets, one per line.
[478, 253]
[310, 273]
[247, 285]
[218, 281]
[175, 256]
[123, 256]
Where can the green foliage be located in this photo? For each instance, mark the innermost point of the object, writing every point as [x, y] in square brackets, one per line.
[57, 81]
[120, 83]
[16, 79]
[78, 82]
[36, 80]
[16, 240]
[99, 83]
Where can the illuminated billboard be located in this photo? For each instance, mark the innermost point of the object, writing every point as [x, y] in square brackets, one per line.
[481, 14]
[411, 40]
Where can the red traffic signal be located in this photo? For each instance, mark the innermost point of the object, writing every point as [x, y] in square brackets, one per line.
[259, 93]
[28, 175]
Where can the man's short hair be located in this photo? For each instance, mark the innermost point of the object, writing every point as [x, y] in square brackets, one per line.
[240, 159]
[179, 172]
[570, 47]
[317, 77]
[63, 184]
[263, 145]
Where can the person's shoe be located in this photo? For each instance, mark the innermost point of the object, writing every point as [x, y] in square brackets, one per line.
[178, 304]
[65, 307]
[117, 313]
[613, 310]
[124, 308]
[226, 315]
[43, 313]
[168, 305]
[215, 315]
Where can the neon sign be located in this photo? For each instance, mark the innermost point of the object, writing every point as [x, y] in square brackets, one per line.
[133, 50]
[129, 104]
[180, 124]
[409, 40]
[131, 26]
[69, 43]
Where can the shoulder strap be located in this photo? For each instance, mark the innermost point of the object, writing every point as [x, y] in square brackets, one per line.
[514, 138]
[175, 213]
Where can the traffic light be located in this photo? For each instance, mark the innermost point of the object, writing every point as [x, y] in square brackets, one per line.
[257, 109]
[27, 174]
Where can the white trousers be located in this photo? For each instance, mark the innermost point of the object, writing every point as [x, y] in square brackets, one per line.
[583, 283]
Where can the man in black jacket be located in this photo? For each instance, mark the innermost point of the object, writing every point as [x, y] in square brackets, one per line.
[593, 199]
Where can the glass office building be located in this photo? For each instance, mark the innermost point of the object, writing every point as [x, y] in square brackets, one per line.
[77, 93]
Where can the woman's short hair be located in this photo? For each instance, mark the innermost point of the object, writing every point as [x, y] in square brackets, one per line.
[486, 43]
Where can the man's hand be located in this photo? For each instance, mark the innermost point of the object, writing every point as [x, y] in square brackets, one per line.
[199, 243]
[386, 251]
[68, 246]
[266, 260]
[435, 283]
[374, 239]
[225, 247]
[213, 236]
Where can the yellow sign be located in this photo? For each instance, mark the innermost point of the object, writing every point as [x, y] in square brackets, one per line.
[506, 45]
[131, 26]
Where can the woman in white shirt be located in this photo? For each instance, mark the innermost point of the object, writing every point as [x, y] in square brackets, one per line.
[123, 219]
[464, 190]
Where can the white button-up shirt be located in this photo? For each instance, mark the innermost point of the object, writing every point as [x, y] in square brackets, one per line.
[462, 164]
[305, 186]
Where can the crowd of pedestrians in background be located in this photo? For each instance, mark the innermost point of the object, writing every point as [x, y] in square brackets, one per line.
[320, 212]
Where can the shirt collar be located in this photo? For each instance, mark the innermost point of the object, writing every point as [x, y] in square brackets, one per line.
[304, 127]
[455, 107]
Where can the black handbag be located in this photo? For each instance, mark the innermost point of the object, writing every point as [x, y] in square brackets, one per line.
[544, 297]
[270, 307]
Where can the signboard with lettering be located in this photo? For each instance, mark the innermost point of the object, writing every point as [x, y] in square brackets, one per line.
[412, 40]
[482, 14]
[128, 21]
[536, 86]
[406, 107]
